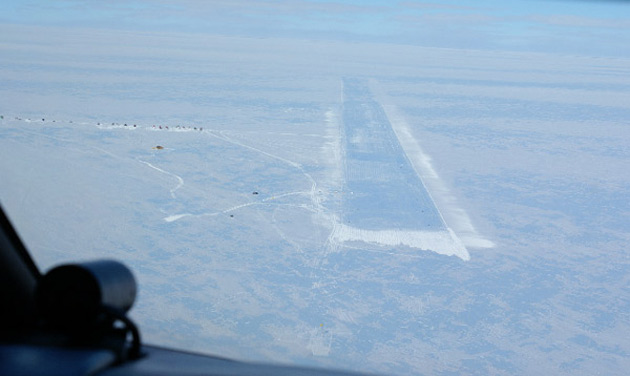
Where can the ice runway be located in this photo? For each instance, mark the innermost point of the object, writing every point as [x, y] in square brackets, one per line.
[385, 201]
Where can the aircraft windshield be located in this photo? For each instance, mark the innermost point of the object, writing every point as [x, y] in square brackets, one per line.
[400, 188]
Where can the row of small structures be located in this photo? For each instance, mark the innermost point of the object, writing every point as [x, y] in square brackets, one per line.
[158, 126]
[176, 127]
[122, 125]
[154, 126]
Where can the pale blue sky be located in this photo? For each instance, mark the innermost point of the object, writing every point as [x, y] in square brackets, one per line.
[573, 27]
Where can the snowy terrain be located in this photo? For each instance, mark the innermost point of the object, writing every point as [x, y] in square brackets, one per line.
[374, 207]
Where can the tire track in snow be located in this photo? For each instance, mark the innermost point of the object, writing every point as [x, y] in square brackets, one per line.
[176, 217]
[180, 181]
[316, 202]
[321, 215]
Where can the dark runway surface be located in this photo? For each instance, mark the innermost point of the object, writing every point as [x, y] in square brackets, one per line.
[382, 190]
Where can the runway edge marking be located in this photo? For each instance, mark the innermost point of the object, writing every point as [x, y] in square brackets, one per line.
[456, 219]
